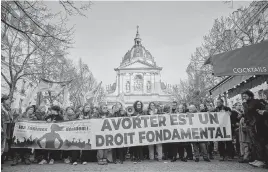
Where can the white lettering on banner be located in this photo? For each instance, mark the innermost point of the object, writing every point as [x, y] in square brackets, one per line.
[146, 130]
[250, 70]
[71, 135]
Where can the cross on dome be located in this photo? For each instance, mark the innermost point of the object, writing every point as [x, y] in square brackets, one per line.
[137, 40]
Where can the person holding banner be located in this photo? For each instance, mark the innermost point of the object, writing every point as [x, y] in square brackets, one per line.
[182, 146]
[40, 113]
[103, 153]
[79, 112]
[72, 155]
[210, 108]
[225, 147]
[119, 151]
[153, 111]
[88, 155]
[138, 150]
[55, 116]
[199, 145]
[24, 153]
[95, 112]
[174, 146]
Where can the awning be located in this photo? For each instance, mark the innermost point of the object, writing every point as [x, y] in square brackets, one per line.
[227, 84]
[250, 60]
[251, 83]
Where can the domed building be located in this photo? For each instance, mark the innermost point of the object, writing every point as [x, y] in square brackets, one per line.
[138, 78]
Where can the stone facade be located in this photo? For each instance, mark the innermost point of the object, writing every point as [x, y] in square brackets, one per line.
[138, 78]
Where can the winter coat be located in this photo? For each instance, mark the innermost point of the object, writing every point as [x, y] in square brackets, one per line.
[243, 132]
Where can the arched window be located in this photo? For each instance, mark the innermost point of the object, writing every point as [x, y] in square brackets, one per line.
[138, 83]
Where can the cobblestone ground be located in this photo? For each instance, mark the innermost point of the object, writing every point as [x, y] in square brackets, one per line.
[165, 166]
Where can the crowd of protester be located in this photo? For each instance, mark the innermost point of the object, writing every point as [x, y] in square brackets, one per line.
[249, 126]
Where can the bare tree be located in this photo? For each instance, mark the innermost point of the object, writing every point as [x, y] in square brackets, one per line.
[31, 46]
[82, 83]
[244, 27]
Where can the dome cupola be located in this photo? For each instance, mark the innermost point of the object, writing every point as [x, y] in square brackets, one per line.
[138, 53]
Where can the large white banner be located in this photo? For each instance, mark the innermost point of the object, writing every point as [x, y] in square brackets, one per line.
[123, 132]
[155, 129]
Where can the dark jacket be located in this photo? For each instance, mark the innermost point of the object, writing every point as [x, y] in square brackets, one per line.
[54, 117]
[250, 108]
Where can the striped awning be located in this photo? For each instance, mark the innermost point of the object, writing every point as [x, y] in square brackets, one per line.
[228, 84]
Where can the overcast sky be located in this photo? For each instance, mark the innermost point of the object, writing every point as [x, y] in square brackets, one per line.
[171, 31]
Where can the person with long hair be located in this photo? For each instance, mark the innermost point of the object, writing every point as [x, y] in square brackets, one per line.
[138, 150]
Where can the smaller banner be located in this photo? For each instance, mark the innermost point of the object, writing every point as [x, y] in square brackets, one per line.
[71, 135]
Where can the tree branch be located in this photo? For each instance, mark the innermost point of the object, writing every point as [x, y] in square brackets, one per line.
[5, 78]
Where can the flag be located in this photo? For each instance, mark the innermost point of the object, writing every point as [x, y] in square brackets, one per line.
[45, 85]
[91, 96]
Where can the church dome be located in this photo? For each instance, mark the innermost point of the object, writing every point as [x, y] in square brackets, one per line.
[138, 52]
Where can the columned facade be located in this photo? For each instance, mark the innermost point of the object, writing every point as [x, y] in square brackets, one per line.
[138, 78]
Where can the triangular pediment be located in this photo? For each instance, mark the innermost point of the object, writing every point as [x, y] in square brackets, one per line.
[137, 64]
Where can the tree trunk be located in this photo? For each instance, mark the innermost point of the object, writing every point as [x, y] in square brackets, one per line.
[12, 90]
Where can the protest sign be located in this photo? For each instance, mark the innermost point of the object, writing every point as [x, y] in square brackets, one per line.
[71, 135]
[123, 131]
[155, 129]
